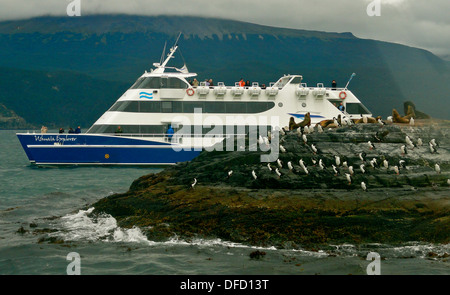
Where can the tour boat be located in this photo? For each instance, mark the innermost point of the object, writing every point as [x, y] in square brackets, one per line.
[200, 116]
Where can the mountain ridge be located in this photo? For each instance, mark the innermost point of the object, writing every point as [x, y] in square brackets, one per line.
[119, 48]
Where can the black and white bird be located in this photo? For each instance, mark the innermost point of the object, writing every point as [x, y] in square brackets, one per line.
[432, 148]
[362, 156]
[350, 169]
[268, 166]
[335, 121]
[305, 139]
[361, 167]
[302, 164]
[396, 170]
[403, 150]
[411, 121]
[409, 142]
[282, 149]
[278, 172]
[385, 163]
[380, 122]
[433, 142]
[419, 142]
[344, 164]
[364, 186]
[321, 166]
[290, 166]
[337, 160]
[260, 140]
[390, 119]
[371, 145]
[254, 175]
[349, 178]
[314, 149]
[230, 173]
[305, 170]
[279, 163]
[194, 183]
[319, 128]
[437, 168]
[335, 170]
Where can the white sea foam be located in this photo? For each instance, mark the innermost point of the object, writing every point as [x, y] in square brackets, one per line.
[85, 226]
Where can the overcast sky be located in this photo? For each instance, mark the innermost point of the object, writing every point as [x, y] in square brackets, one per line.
[419, 23]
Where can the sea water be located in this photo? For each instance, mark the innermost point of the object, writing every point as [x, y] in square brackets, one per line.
[39, 205]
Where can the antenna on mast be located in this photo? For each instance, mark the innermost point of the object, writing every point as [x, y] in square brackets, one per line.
[163, 53]
[351, 77]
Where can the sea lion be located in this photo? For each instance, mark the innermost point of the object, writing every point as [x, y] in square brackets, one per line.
[325, 123]
[370, 120]
[397, 118]
[418, 114]
[305, 122]
[410, 113]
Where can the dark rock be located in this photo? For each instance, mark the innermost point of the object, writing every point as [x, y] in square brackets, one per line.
[299, 209]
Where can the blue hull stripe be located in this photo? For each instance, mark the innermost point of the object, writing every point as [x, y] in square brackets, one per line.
[52, 149]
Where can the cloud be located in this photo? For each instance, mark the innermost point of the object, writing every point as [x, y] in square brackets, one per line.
[417, 23]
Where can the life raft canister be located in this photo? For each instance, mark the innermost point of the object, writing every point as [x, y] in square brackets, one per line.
[190, 91]
[342, 95]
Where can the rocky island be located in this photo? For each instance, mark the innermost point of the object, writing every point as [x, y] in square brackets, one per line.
[359, 183]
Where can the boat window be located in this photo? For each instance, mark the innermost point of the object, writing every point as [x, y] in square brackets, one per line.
[296, 80]
[161, 129]
[125, 106]
[356, 108]
[158, 83]
[150, 106]
[190, 106]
